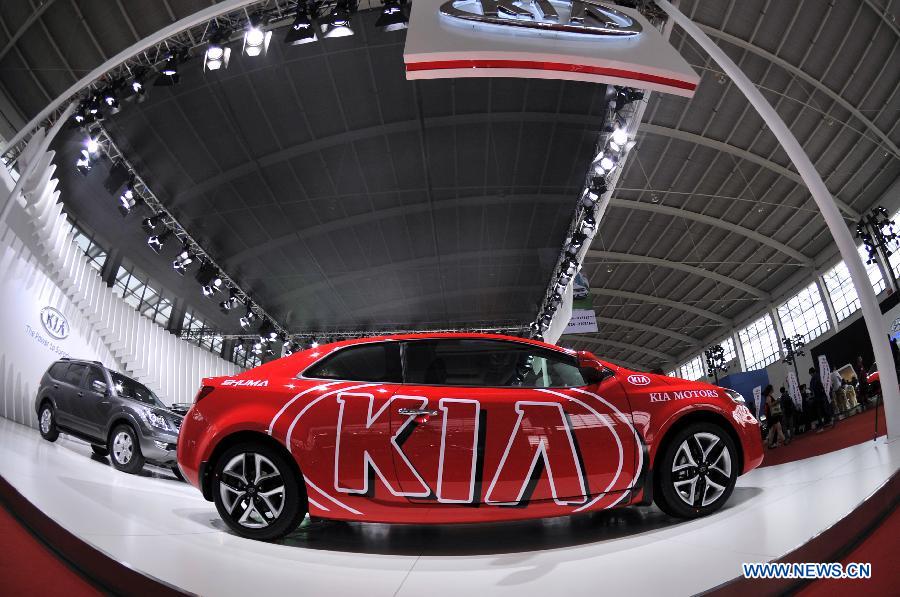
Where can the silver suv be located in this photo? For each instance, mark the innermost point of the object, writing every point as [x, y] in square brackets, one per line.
[117, 415]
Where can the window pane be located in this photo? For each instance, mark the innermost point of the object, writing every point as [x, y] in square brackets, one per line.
[693, 369]
[74, 374]
[369, 362]
[840, 289]
[728, 345]
[759, 343]
[874, 271]
[804, 314]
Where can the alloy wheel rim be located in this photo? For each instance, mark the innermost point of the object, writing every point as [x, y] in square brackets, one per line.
[46, 418]
[123, 447]
[252, 490]
[701, 470]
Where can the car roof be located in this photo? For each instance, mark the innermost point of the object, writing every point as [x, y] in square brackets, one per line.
[449, 336]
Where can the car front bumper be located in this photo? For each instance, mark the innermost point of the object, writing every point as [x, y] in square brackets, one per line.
[158, 446]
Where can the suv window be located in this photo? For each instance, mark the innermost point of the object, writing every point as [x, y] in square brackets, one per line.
[488, 363]
[378, 362]
[58, 370]
[94, 374]
[129, 388]
[74, 374]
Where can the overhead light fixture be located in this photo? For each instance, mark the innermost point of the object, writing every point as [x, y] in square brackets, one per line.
[92, 146]
[183, 260]
[138, 84]
[217, 53]
[110, 100]
[247, 320]
[169, 69]
[157, 241]
[576, 243]
[314, 344]
[150, 224]
[302, 31]
[619, 136]
[588, 225]
[128, 199]
[83, 163]
[210, 280]
[230, 303]
[392, 16]
[337, 23]
[267, 332]
[606, 163]
[256, 41]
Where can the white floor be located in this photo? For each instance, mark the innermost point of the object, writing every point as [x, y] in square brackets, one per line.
[165, 529]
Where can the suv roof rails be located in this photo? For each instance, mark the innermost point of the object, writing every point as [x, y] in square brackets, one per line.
[83, 361]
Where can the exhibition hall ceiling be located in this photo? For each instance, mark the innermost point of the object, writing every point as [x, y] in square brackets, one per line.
[343, 196]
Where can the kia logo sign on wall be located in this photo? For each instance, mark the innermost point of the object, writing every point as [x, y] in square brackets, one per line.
[55, 323]
[639, 380]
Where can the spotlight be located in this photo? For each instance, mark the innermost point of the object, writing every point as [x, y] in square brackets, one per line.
[216, 57]
[392, 17]
[619, 136]
[183, 260]
[92, 146]
[576, 243]
[267, 332]
[111, 101]
[150, 224]
[230, 303]
[337, 24]
[83, 163]
[607, 163]
[210, 280]
[157, 241]
[138, 85]
[169, 69]
[128, 199]
[570, 267]
[314, 344]
[248, 319]
[256, 41]
[302, 31]
[588, 225]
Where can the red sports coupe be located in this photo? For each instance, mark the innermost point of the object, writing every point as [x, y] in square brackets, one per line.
[458, 428]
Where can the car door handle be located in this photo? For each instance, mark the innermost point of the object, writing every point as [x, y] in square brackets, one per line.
[417, 412]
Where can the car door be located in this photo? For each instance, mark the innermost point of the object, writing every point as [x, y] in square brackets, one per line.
[69, 394]
[93, 406]
[510, 424]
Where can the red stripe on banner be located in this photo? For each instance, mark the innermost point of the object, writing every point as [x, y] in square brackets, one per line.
[554, 66]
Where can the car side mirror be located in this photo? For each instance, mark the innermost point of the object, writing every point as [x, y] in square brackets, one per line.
[99, 387]
[594, 374]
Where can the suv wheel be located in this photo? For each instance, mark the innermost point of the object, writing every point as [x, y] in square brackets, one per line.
[257, 492]
[697, 471]
[125, 449]
[47, 422]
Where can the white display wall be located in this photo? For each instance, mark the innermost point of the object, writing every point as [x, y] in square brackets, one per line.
[42, 268]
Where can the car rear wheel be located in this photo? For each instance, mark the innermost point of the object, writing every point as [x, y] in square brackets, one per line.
[257, 491]
[47, 422]
[697, 471]
[126, 450]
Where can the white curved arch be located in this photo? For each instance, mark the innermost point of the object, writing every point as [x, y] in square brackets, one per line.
[647, 298]
[648, 328]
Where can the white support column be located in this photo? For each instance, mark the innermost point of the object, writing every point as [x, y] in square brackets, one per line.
[779, 329]
[825, 202]
[738, 349]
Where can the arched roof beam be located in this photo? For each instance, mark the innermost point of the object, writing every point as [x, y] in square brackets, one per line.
[677, 265]
[648, 328]
[536, 289]
[716, 222]
[646, 298]
[810, 80]
[655, 129]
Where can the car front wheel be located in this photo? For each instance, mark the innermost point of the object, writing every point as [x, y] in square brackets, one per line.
[697, 471]
[126, 450]
[47, 422]
[257, 492]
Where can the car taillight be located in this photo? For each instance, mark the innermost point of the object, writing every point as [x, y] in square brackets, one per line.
[203, 393]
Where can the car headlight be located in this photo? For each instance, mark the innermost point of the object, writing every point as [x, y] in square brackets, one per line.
[154, 419]
[735, 396]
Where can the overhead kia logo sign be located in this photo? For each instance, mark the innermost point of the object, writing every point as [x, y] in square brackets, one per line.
[588, 18]
[639, 380]
[55, 323]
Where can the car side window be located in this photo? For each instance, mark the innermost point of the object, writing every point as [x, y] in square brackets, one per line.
[488, 363]
[94, 374]
[377, 362]
[74, 374]
[58, 370]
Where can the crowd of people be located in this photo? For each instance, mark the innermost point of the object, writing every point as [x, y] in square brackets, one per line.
[818, 409]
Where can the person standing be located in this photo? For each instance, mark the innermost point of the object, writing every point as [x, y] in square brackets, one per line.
[862, 375]
[773, 408]
[820, 400]
[787, 417]
[837, 388]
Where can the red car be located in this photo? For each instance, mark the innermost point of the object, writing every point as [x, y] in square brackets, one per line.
[458, 428]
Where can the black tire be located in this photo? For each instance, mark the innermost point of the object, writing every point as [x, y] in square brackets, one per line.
[177, 472]
[239, 498]
[705, 477]
[99, 451]
[48, 428]
[125, 449]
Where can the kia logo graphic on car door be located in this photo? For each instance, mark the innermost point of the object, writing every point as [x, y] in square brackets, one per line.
[639, 380]
[587, 18]
[55, 323]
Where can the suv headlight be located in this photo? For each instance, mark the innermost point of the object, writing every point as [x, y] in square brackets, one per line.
[155, 419]
[735, 396]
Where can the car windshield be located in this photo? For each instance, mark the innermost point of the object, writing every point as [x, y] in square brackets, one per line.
[129, 388]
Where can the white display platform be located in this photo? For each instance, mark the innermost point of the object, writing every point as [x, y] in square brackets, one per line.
[166, 530]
